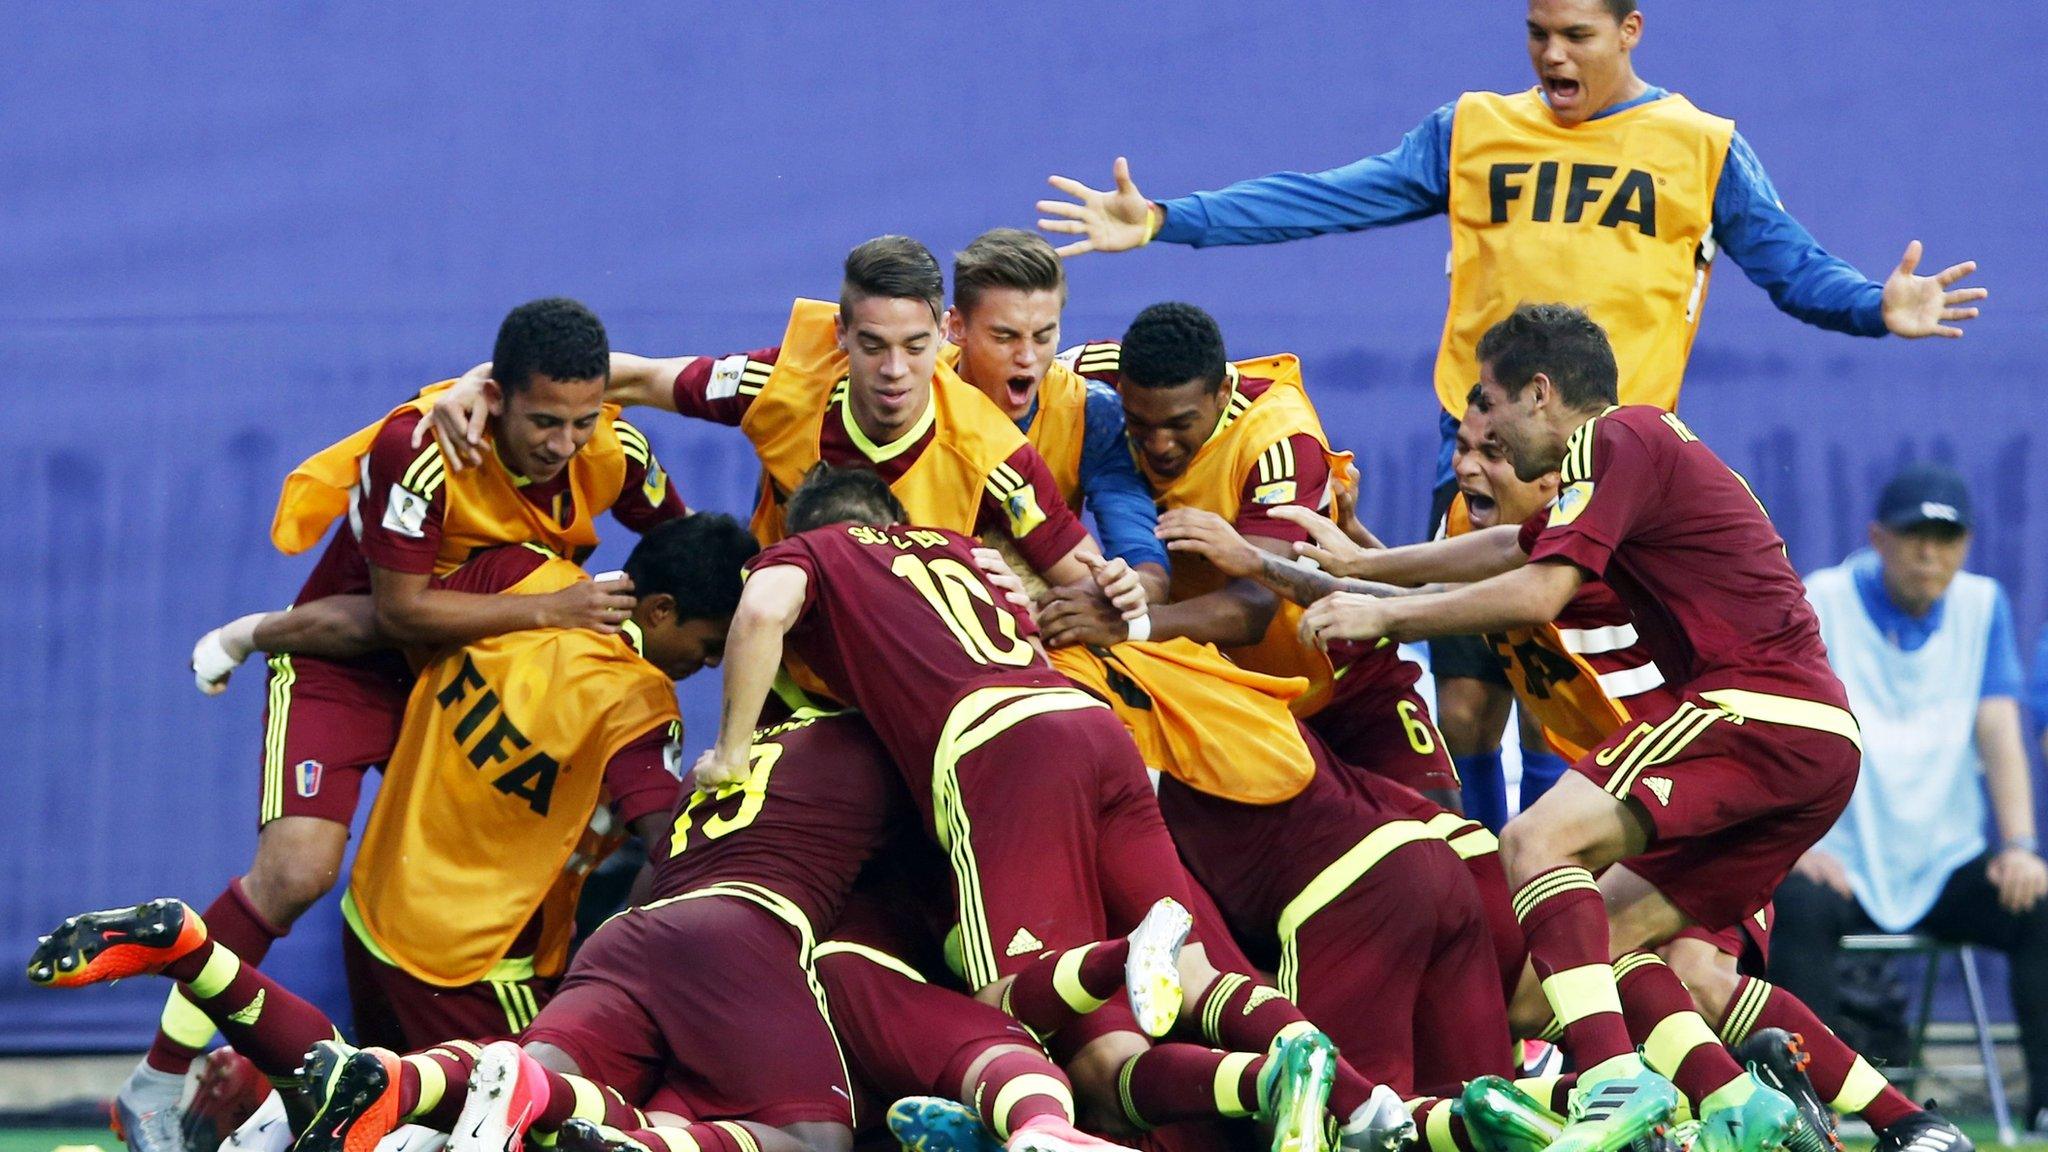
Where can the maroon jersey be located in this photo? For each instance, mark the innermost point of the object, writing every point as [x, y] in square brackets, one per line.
[722, 390]
[1679, 537]
[409, 543]
[899, 623]
[822, 798]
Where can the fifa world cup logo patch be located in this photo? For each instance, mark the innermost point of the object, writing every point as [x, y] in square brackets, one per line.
[306, 778]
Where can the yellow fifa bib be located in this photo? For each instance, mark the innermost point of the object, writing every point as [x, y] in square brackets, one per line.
[1556, 685]
[489, 810]
[483, 507]
[971, 437]
[1614, 215]
[1059, 426]
[1214, 481]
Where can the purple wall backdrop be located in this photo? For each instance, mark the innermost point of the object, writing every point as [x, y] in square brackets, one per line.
[233, 232]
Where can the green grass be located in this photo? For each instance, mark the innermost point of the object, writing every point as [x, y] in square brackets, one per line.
[1984, 1132]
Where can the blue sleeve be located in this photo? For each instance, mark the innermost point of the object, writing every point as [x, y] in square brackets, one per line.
[2037, 685]
[1781, 257]
[2002, 672]
[1119, 498]
[1409, 183]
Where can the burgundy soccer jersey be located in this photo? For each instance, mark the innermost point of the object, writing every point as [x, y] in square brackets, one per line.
[823, 797]
[722, 390]
[898, 622]
[1683, 542]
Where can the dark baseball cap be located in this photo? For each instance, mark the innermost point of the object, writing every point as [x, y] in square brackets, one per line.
[1925, 494]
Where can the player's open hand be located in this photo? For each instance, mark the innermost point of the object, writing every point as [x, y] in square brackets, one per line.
[599, 605]
[1333, 550]
[1004, 578]
[1113, 221]
[1199, 532]
[1344, 616]
[717, 769]
[458, 419]
[1917, 306]
[2021, 878]
[1080, 614]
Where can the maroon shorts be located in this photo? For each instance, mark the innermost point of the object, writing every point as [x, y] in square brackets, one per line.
[397, 1010]
[325, 724]
[1398, 969]
[901, 1033]
[1733, 802]
[1376, 720]
[1050, 851]
[1749, 942]
[711, 998]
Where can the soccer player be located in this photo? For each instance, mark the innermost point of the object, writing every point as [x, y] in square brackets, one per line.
[1241, 440]
[558, 459]
[1752, 765]
[896, 620]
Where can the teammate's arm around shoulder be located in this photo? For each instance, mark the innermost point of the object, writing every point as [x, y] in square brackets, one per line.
[411, 612]
[460, 415]
[769, 607]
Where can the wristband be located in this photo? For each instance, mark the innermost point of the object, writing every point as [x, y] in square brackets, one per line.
[1154, 221]
[2025, 844]
[1140, 629]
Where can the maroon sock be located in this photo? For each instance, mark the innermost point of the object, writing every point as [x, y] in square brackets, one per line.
[1049, 993]
[565, 1104]
[233, 921]
[1565, 924]
[723, 1136]
[1169, 1083]
[259, 1017]
[443, 1093]
[1048, 1094]
[1239, 1014]
[1833, 1064]
[1688, 1052]
[1439, 1127]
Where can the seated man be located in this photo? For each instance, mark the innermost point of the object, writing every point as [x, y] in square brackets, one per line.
[1933, 670]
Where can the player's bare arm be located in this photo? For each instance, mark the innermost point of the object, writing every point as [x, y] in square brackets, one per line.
[1113, 220]
[1205, 534]
[1457, 560]
[2017, 871]
[461, 414]
[410, 611]
[1531, 595]
[1916, 306]
[336, 627]
[768, 609]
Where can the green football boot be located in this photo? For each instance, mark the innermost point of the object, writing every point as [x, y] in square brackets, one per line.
[1617, 1113]
[1503, 1118]
[1766, 1122]
[1294, 1091]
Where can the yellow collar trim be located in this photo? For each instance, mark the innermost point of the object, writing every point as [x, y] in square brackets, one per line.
[883, 453]
[631, 631]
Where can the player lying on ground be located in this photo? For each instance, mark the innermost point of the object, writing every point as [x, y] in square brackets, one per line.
[557, 458]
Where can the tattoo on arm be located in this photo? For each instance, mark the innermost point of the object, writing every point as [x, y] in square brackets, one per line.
[1305, 585]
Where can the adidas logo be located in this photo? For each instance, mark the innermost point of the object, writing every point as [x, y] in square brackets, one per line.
[1660, 787]
[246, 1015]
[1024, 943]
[1260, 995]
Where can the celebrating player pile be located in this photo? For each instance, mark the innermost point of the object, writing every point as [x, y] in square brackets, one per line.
[1008, 838]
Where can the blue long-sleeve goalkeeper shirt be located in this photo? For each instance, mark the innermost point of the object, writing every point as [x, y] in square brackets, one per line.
[1413, 181]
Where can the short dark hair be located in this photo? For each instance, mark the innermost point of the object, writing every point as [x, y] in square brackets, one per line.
[893, 268]
[1006, 258]
[831, 495]
[1620, 9]
[556, 337]
[1558, 340]
[1170, 344]
[696, 560]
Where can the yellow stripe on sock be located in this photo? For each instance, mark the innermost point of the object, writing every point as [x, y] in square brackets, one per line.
[1029, 1084]
[221, 969]
[1436, 1129]
[677, 1139]
[1123, 1094]
[1634, 961]
[183, 1022]
[1674, 1038]
[1859, 1088]
[1742, 1015]
[1066, 980]
[1729, 1095]
[433, 1085]
[1229, 1075]
[589, 1100]
[1577, 993]
[1552, 883]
